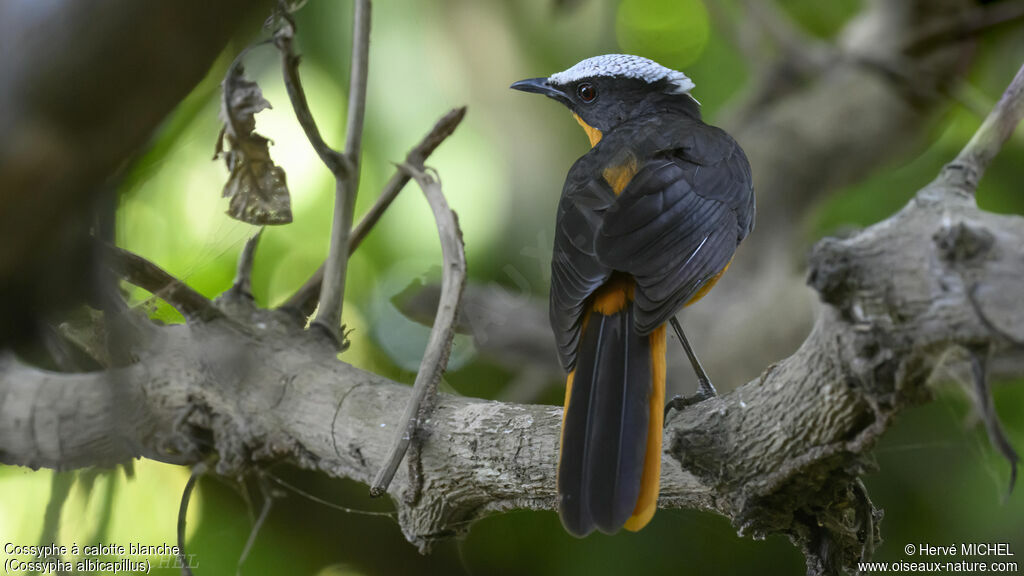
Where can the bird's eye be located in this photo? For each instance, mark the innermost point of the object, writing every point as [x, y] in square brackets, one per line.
[586, 92]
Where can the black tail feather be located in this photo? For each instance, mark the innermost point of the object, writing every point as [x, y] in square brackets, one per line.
[604, 436]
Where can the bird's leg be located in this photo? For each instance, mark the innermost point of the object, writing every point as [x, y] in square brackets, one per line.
[705, 389]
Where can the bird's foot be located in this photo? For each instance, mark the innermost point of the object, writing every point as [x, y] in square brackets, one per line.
[705, 391]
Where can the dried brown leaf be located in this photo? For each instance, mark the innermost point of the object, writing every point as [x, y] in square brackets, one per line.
[257, 187]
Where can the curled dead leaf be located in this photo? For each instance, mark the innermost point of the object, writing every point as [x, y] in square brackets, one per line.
[256, 187]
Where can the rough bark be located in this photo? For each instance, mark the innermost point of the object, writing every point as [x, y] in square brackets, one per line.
[779, 454]
[247, 387]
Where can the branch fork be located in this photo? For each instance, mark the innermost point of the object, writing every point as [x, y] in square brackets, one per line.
[343, 165]
[780, 454]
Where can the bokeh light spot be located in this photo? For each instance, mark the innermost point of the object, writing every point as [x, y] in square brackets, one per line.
[672, 32]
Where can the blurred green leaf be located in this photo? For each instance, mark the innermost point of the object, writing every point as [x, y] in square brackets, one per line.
[672, 32]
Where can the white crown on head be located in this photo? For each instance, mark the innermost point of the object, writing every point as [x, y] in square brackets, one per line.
[624, 66]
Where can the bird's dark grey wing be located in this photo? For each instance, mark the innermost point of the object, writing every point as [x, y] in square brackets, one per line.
[675, 226]
[576, 271]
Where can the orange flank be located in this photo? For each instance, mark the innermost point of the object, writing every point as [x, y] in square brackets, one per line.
[707, 286]
[650, 483]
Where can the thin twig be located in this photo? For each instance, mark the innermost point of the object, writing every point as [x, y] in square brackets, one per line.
[186, 495]
[268, 503]
[332, 291]
[729, 23]
[304, 299]
[963, 26]
[439, 346]
[332, 505]
[968, 167]
[334, 160]
[442, 129]
[779, 26]
[141, 272]
[357, 82]
[987, 409]
[242, 285]
[867, 509]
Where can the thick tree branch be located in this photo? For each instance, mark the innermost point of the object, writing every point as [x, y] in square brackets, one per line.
[791, 437]
[439, 346]
[768, 455]
[781, 454]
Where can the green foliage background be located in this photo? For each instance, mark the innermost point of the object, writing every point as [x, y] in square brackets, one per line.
[938, 480]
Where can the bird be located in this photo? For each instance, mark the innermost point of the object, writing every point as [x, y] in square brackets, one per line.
[648, 221]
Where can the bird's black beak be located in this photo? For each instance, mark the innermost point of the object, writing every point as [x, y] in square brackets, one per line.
[541, 86]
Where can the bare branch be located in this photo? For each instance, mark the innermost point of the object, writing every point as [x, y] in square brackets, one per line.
[780, 454]
[779, 26]
[258, 522]
[283, 37]
[141, 272]
[963, 26]
[360, 63]
[986, 408]
[442, 129]
[304, 299]
[332, 291]
[242, 286]
[969, 166]
[439, 346]
[772, 455]
[509, 329]
[327, 503]
[726, 20]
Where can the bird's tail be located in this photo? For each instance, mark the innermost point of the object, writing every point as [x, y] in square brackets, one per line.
[610, 462]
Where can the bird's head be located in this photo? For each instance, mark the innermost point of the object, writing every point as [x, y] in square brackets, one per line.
[604, 91]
